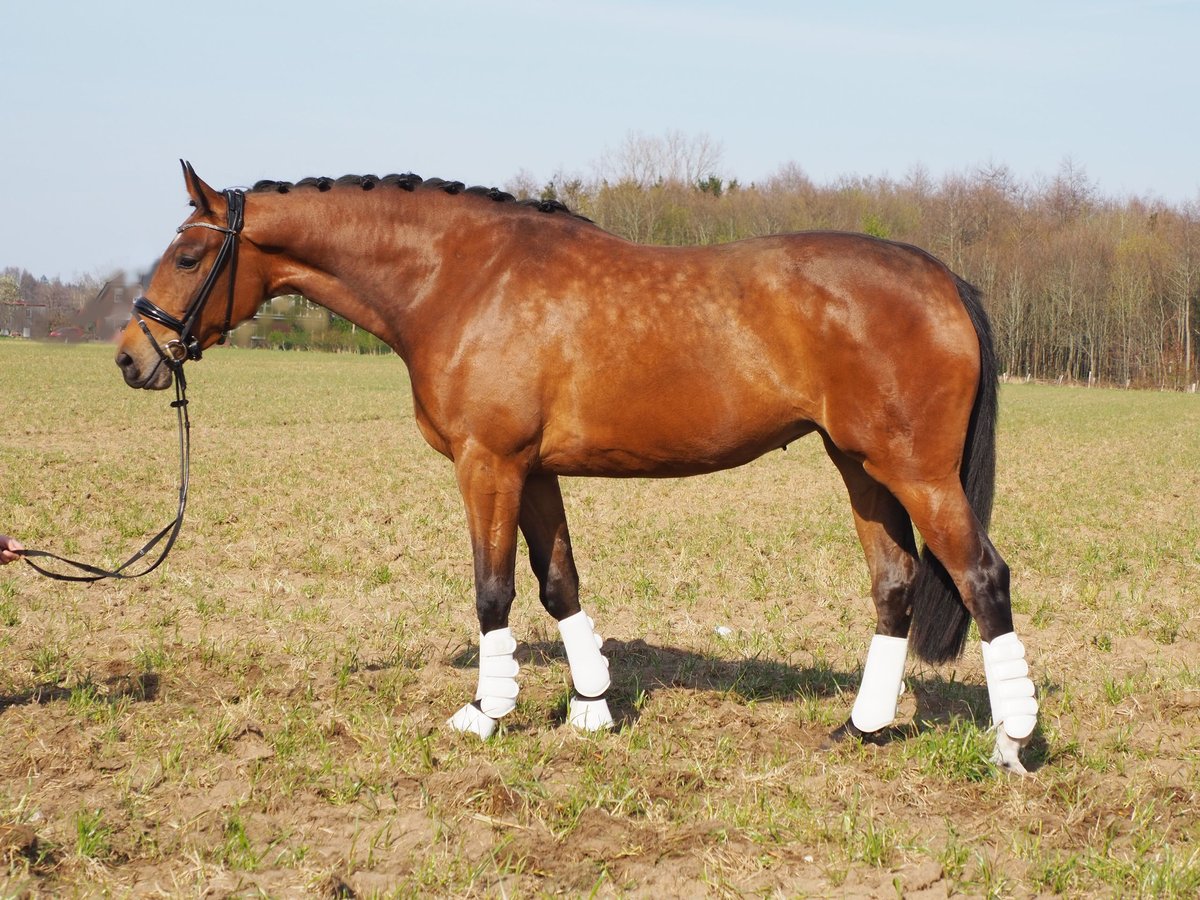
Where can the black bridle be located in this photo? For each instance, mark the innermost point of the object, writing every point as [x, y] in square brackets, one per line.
[173, 354]
[187, 345]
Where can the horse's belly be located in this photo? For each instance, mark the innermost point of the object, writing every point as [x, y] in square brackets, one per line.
[647, 449]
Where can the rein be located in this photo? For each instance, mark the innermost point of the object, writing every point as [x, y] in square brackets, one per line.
[170, 532]
[173, 354]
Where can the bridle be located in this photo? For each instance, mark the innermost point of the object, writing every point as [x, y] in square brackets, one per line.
[187, 345]
[173, 354]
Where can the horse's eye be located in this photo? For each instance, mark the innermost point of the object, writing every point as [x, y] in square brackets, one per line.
[187, 263]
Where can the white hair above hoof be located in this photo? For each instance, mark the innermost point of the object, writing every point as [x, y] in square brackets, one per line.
[588, 714]
[1007, 754]
[472, 720]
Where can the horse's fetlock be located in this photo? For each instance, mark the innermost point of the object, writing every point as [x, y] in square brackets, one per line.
[559, 595]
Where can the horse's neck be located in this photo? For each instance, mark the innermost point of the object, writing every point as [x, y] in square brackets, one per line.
[365, 260]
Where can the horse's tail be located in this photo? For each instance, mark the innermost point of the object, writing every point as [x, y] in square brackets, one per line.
[940, 621]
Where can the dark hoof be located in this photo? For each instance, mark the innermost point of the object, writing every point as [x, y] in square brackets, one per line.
[849, 731]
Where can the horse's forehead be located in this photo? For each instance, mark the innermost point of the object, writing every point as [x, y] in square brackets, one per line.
[188, 227]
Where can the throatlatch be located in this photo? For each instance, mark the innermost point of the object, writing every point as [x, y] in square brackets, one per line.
[497, 692]
[589, 673]
[1010, 690]
[882, 682]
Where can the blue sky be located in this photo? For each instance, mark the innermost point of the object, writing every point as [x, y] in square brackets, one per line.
[99, 101]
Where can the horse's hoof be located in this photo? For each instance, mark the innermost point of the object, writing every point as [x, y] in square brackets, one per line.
[589, 715]
[849, 731]
[472, 720]
[1007, 755]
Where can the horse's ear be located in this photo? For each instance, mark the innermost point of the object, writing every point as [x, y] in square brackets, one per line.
[202, 195]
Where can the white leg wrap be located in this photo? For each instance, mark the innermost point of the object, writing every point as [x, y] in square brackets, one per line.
[882, 681]
[1014, 706]
[497, 691]
[589, 668]
[589, 715]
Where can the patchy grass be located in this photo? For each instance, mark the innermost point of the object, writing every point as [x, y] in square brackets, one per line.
[265, 713]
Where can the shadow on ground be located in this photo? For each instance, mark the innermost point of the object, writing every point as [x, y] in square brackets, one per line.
[640, 669]
[142, 686]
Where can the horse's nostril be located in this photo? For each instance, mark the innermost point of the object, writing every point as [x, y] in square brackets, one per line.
[124, 360]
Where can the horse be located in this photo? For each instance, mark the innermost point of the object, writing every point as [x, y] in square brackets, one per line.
[540, 346]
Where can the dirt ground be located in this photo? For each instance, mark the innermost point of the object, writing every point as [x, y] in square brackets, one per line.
[265, 715]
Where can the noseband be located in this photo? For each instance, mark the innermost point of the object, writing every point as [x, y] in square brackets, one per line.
[187, 346]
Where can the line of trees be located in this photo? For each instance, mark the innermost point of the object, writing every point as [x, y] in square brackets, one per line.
[294, 323]
[61, 299]
[1080, 287]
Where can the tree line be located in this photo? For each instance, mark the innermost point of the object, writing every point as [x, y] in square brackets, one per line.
[61, 299]
[1080, 287]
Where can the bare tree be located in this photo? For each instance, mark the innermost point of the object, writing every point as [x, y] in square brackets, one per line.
[673, 157]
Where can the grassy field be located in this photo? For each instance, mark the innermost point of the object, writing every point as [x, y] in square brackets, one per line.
[264, 715]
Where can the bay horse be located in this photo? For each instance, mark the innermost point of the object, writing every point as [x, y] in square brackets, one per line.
[540, 346]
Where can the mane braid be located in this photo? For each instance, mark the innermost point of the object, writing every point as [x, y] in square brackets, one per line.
[411, 182]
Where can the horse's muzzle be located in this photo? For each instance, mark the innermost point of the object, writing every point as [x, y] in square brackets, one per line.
[152, 377]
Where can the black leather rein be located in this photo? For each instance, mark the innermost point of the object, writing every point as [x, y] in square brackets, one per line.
[170, 532]
[174, 354]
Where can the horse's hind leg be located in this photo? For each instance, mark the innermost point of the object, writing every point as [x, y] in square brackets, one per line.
[886, 534]
[543, 521]
[954, 535]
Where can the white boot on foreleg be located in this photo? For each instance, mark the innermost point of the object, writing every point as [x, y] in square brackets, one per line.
[496, 694]
[882, 682]
[1012, 697]
[588, 710]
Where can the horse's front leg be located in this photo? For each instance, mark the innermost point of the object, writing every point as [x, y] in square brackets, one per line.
[544, 524]
[491, 487]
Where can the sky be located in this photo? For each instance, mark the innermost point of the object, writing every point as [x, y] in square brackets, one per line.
[99, 101]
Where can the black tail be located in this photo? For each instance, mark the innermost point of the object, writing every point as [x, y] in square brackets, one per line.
[940, 621]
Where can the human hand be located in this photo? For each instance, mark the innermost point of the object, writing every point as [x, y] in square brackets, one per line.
[9, 549]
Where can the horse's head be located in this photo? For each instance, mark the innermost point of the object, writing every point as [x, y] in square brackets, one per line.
[209, 279]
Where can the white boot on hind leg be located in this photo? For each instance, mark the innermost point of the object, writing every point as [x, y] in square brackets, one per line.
[1013, 700]
[497, 691]
[588, 710]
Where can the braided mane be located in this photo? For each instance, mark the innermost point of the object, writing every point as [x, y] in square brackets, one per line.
[410, 182]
